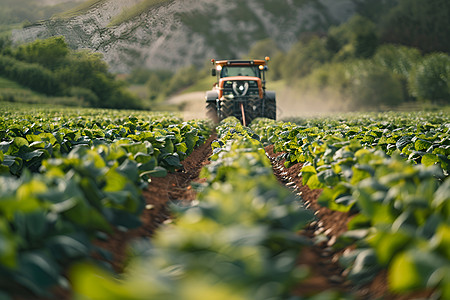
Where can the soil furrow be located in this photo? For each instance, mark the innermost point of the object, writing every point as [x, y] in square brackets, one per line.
[321, 258]
[174, 187]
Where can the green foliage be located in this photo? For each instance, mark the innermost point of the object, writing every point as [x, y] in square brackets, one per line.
[183, 78]
[80, 9]
[84, 95]
[373, 86]
[162, 83]
[5, 42]
[355, 38]
[303, 57]
[21, 11]
[430, 79]
[423, 24]
[11, 91]
[50, 52]
[263, 48]
[355, 85]
[135, 11]
[50, 67]
[351, 68]
[391, 172]
[399, 60]
[33, 76]
[157, 83]
[69, 175]
[239, 237]
[374, 10]
[142, 75]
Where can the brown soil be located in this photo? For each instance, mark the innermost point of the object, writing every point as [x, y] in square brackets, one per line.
[320, 258]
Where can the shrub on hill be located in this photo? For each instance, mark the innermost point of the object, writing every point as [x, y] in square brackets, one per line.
[424, 24]
[33, 76]
[430, 79]
[49, 66]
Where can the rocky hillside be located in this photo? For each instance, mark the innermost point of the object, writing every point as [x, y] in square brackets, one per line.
[173, 33]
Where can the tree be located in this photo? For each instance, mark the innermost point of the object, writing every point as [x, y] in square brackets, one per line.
[31, 75]
[399, 60]
[263, 48]
[424, 24]
[356, 38]
[374, 10]
[430, 80]
[49, 53]
[304, 56]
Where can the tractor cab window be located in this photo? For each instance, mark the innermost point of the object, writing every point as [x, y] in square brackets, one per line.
[228, 71]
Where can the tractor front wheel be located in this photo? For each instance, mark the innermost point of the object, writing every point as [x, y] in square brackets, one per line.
[211, 112]
[226, 109]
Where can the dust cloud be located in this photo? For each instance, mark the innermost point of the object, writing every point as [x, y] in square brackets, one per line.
[290, 103]
[293, 102]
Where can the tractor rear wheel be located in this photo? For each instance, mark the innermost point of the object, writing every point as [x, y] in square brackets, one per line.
[270, 108]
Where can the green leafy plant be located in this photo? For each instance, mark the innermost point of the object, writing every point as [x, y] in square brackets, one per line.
[70, 175]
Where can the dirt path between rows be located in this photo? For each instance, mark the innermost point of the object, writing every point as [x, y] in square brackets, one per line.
[160, 192]
[321, 259]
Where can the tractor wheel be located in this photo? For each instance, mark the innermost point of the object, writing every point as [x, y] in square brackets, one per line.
[226, 109]
[270, 108]
[252, 110]
[211, 112]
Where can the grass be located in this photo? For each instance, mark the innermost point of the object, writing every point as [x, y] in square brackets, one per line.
[8, 84]
[79, 10]
[11, 91]
[203, 84]
[136, 10]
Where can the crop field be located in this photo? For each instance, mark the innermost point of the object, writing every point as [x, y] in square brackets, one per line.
[116, 204]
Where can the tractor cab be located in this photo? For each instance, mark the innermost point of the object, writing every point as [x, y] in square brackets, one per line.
[240, 91]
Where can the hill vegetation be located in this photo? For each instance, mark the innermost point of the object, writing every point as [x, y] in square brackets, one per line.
[79, 9]
[50, 68]
[162, 34]
[135, 11]
[364, 63]
[30, 11]
[372, 61]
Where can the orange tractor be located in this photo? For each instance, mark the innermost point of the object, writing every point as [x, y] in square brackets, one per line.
[240, 91]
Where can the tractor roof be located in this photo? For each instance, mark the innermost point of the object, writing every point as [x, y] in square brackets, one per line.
[233, 62]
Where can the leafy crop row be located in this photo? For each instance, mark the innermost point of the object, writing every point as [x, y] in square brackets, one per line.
[422, 138]
[393, 174]
[67, 179]
[238, 241]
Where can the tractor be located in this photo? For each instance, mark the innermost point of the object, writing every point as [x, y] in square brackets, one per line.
[240, 91]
